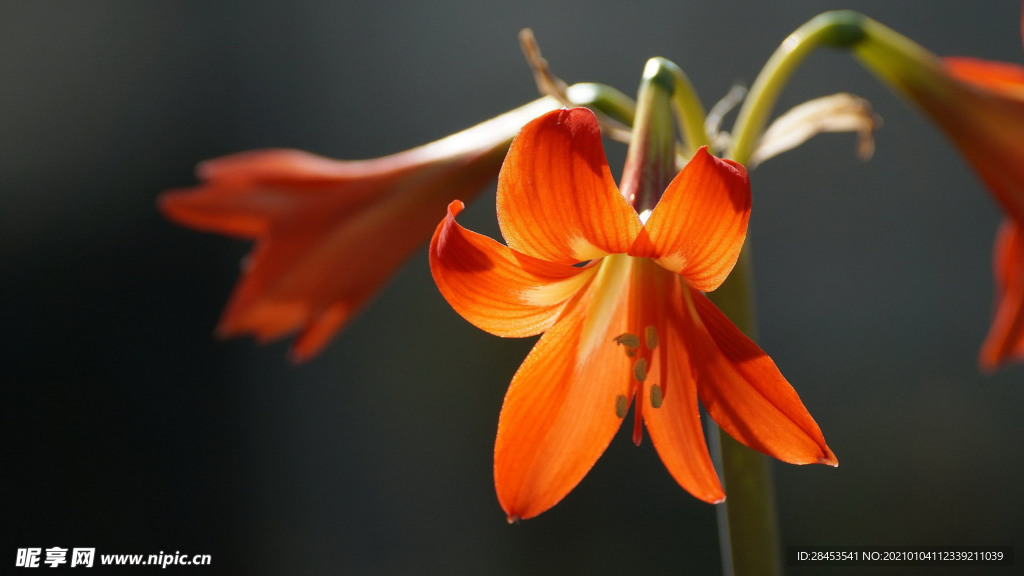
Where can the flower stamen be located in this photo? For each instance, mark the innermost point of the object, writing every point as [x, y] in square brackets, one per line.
[656, 396]
[621, 405]
[640, 370]
[630, 341]
[651, 337]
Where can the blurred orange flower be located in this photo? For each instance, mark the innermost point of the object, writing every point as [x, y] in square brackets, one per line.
[980, 106]
[330, 233]
[618, 298]
[1002, 136]
[1005, 340]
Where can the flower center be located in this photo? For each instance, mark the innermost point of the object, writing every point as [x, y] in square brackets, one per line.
[647, 300]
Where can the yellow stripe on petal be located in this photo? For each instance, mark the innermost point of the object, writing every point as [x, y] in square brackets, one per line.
[557, 292]
[607, 291]
[583, 250]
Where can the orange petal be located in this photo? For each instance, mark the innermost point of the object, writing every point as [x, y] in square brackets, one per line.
[557, 200]
[317, 266]
[221, 209]
[285, 164]
[1002, 77]
[243, 193]
[1005, 340]
[319, 331]
[983, 113]
[285, 287]
[559, 414]
[495, 288]
[675, 427]
[743, 391]
[698, 226]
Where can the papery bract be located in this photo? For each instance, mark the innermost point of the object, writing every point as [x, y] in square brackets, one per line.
[330, 233]
[624, 321]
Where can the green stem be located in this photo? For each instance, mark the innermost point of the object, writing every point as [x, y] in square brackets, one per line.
[604, 99]
[747, 526]
[685, 103]
[903, 64]
[687, 106]
[838, 29]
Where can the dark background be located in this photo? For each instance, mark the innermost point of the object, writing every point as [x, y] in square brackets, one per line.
[128, 428]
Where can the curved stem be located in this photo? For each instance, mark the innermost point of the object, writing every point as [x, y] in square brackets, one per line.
[904, 65]
[604, 99]
[685, 103]
[841, 28]
[687, 107]
[748, 527]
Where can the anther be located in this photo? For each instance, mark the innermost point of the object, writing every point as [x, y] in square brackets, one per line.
[651, 337]
[656, 396]
[640, 370]
[621, 405]
[628, 340]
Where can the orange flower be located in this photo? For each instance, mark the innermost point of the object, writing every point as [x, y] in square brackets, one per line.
[619, 299]
[998, 156]
[1005, 340]
[330, 233]
[980, 106]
